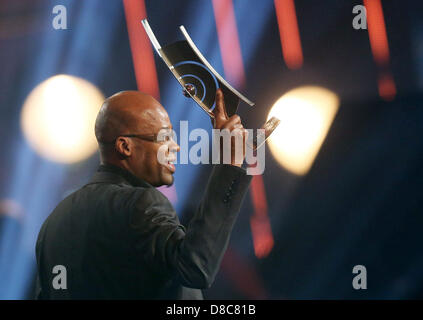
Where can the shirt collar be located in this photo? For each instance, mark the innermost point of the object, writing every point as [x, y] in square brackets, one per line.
[125, 174]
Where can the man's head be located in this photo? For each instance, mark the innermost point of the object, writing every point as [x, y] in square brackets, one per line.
[126, 130]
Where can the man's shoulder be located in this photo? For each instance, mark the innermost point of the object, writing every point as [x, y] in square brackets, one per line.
[106, 200]
[150, 197]
[131, 197]
[93, 198]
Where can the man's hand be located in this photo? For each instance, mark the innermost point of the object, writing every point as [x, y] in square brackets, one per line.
[235, 128]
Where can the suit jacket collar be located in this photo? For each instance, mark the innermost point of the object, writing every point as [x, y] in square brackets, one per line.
[108, 173]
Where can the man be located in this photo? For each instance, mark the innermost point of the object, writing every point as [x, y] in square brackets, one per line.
[120, 238]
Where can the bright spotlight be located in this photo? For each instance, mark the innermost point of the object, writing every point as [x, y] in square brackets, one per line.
[58, 118]
[11, 208]
[306, 114]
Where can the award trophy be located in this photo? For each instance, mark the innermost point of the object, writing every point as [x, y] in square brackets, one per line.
[200, 81]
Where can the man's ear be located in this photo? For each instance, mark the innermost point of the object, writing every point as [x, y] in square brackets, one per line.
[124, 146]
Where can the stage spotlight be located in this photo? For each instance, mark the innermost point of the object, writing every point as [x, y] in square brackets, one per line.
[11, 208]
[58, 118]
[306, 114]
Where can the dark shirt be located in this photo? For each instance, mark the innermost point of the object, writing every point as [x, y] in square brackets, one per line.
[120, 238]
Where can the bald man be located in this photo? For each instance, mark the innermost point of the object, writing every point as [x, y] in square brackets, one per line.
[118, 237]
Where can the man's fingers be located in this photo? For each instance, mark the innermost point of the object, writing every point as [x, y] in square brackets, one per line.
[231, 122]
[220, 110]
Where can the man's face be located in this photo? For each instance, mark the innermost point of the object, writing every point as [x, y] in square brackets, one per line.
[146, 164]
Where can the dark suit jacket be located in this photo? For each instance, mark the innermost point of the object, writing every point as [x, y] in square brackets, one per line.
[120, 238]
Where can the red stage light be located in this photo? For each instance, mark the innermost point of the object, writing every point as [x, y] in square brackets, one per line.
[386, 85]
[377, 31]
[234, 72]
[289, 34]
[229, 42]
[142, 52]
[259, 222]
[380, 48]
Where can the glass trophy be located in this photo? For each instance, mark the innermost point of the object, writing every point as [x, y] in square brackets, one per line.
[199, 80]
